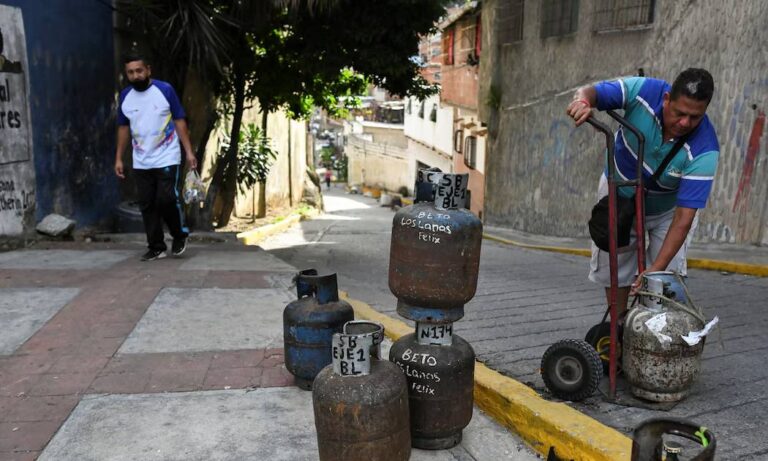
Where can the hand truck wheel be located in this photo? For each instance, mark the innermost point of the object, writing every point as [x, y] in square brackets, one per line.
[599, 337]
[571, 369]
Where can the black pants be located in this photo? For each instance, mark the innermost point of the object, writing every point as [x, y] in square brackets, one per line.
[160, 200]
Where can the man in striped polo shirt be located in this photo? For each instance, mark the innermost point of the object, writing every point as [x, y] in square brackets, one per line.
[664, 114]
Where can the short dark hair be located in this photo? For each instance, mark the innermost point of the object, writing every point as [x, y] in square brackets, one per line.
[132, 56]
[694, 83]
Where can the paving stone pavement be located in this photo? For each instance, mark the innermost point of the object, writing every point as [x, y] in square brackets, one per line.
[528, 299]
[115, 359]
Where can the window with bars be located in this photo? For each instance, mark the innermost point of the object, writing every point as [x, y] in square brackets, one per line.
[559, 17]
[623, 14]
[509, 21]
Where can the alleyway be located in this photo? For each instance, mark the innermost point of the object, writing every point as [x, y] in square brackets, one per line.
[527, 300]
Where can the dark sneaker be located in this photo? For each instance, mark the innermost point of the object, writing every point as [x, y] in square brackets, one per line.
[178, 247]
[151, 255]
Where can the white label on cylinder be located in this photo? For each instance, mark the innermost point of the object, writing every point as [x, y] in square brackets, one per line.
[451, 191]
[652, 285]
[351, 354]
[429, 333]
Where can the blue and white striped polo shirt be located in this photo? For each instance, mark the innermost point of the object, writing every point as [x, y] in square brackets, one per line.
[687, 180]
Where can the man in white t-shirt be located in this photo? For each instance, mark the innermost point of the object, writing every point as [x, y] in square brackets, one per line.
[150, 115]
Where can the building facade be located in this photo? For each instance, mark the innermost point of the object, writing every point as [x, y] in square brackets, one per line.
[542, 172]
[462, 50]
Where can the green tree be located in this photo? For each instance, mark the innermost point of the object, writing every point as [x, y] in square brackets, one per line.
[256, 156]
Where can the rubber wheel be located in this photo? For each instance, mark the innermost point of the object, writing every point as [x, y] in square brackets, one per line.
[571, 369]
[599, 337]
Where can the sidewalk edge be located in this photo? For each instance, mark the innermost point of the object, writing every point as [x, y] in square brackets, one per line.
[541, 423]
[759, 270]
[256, 236]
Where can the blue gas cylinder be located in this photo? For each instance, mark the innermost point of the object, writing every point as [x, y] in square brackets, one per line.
[309, 324]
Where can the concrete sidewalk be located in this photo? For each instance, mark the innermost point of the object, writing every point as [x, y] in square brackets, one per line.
[103, 357]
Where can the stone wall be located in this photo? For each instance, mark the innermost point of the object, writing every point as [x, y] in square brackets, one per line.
[542, 172]
[289, 139]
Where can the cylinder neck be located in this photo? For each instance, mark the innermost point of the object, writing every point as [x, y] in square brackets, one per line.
[434, 334]
[451, 191]
[424, 190]
[324, 287]
[352, 351]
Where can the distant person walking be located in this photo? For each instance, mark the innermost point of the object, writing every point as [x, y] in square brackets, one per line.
[328, 177]
[150, 115]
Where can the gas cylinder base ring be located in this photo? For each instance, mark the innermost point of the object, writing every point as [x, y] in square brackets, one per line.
[436, 444]
[430, 314]
[571, 369]
[658, 396]
[303, 383]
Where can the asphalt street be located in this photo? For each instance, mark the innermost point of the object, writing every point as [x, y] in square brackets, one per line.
[528, 299]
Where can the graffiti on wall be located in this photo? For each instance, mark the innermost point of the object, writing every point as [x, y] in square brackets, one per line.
[16, 169]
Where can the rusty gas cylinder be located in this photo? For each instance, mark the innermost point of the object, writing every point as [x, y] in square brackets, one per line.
[658, 364]
[656, 439]
[440, 368]
[361, 402]
[435, 254]
[309, 324]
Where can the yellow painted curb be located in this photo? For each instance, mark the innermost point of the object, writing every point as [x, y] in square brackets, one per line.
[570, 251]
[729, 266]
[255, 236]
[516, 406]
[759, 270]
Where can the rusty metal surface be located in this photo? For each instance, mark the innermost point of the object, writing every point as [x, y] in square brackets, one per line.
[362, 417]
[434, 257]
[440, 384]
[659, 365]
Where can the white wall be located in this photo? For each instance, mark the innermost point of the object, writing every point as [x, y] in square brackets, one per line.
[437, 134]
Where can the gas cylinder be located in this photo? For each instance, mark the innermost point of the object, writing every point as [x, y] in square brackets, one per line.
[309, 324]
[361, 402]
[435, 254]
[440, 368]
[658, 364]
[653, 440]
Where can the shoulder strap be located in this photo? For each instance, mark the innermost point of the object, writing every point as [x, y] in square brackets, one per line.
[678, 145]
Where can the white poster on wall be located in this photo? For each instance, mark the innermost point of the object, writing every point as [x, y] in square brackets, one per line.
[17, 175]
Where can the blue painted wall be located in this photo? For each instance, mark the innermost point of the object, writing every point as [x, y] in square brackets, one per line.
[72, 93]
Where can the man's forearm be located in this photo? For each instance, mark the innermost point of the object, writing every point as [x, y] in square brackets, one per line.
[675, 238]
[183, 130]
[123, 134]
